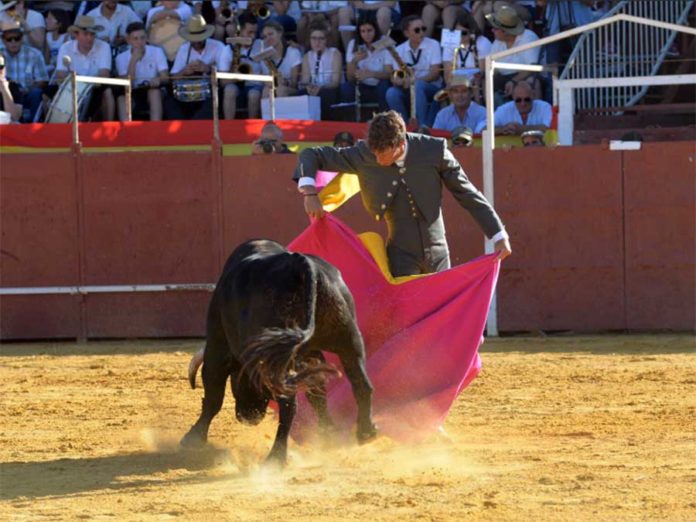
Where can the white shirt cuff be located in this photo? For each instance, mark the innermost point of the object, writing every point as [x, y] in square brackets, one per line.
[500, 235]
[306, 181]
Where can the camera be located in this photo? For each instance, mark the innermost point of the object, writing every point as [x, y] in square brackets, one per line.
[267, 146]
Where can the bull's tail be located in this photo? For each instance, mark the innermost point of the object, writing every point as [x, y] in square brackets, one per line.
[195, 363]
[270, 359]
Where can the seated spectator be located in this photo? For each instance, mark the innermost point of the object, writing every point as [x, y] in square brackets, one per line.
[169, 9]
[114, 17]
[533, 138]
[57, 23]
[462, 111]
[510, 32]
[462, 137]
[10, 96]
[270, 141]
[32, 23]
[88, 56]
[446, 11]
[194, 60]
[343, 139]
[469, 58]
[561, 15]
[25, 66]
[243, 93]
[280, 13]
[148, 70]
[423, 58]
[387, 14]
[334, 12]
[365, 67]
[322, 69]
[285, 66]
[522, 113]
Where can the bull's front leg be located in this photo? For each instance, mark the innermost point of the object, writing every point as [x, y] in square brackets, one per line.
[287, 407]
[354, 366]
[214, 380]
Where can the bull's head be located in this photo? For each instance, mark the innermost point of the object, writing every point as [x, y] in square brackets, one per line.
[250, 404]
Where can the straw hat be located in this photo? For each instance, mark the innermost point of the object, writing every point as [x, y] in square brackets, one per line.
[85, 23]
[13, 25]
[459, 80]
[507, 19]
[196, 30]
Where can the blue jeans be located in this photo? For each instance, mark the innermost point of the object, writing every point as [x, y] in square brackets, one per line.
[31, 102]
[398, 99]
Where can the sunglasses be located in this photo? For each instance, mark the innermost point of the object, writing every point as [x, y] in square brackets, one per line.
[12, 38]
[525, 100]
[419, 30]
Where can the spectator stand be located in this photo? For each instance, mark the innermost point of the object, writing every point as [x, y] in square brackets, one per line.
[565, 100]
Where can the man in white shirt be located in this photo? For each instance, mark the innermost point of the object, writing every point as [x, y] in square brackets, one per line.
[462, 111]
[509, 32]
[89, 56]
[115, 18]
[423, 58]
[521, 114]
[146, 66]
[192, 98]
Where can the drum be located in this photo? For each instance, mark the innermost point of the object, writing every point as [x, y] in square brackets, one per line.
[165, 33]
[61, 109]
[193, 90]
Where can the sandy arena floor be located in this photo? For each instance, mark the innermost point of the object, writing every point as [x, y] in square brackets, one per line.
[556, 428]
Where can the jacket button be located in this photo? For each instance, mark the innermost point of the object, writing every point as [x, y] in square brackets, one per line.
[377, 217]
[415, 215]
[395, 182]
[389, 194]
[383, 206]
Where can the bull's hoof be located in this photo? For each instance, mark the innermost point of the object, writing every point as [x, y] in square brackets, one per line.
[367, 435]
[193, 439]
[275, 460]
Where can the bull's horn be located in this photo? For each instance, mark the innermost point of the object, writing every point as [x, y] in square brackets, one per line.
[195, 363]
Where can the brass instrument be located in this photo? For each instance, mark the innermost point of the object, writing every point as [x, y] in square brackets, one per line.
[403, 72]
[268, 56]
[259, 10]
[237, 43]
[442, 94]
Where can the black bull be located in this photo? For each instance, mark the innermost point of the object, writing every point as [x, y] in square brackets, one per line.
[271, 314]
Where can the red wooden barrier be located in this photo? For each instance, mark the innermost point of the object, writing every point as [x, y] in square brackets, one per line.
[601, 240]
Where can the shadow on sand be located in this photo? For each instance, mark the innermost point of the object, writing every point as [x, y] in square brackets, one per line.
[74, 476]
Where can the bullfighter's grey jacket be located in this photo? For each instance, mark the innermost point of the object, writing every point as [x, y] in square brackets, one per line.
[408, 198]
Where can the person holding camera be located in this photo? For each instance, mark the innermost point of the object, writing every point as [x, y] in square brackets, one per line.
[270, 141]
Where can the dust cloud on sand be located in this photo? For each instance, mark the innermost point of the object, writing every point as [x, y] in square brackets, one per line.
[560, 428]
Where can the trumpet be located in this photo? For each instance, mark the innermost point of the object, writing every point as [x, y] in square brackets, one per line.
[442, 94]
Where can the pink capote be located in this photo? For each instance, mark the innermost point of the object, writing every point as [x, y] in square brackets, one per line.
[421, 335]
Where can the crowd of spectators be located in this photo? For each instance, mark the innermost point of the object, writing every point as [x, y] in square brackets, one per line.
[424, 57]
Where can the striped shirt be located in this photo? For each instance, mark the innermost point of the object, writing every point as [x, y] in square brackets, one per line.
[26, 67]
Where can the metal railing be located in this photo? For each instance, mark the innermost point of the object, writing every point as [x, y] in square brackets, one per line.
[98, 80]
[624, 50]
[216, 76]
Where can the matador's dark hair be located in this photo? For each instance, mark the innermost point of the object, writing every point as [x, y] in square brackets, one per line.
[386, 131]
